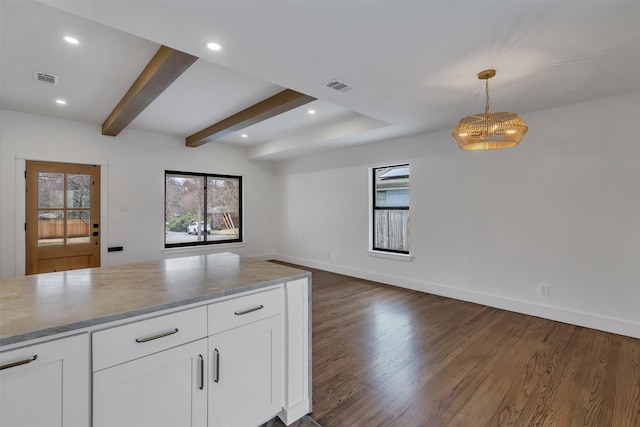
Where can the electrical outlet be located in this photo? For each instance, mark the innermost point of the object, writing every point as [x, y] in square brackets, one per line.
[543, 290]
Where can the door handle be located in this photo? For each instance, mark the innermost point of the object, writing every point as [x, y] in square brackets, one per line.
[217, 377]
[201, 372]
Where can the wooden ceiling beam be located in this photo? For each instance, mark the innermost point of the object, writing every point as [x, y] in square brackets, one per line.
[163, 69]
[277, 104]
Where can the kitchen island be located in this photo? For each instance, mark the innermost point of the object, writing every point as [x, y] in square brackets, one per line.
[222, 339]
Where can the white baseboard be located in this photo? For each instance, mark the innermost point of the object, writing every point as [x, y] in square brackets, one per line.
[266, 257]
[588, 320]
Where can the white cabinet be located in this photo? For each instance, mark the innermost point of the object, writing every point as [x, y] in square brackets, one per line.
[246, 386]
[152, 372]
[46, 384]
[247, 362]
[233, 362]
[167, 388]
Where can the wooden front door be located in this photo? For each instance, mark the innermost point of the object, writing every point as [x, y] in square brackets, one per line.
[63, 216]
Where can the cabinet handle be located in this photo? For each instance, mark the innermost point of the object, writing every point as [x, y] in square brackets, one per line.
[251, 310]
[201, 372]
[155, 337]
[22, 362]
[217, 377]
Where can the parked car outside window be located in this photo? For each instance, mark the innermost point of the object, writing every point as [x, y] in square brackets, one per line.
[193, 228]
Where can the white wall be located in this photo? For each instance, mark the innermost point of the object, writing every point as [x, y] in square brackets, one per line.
[561, 209]
[133, 166]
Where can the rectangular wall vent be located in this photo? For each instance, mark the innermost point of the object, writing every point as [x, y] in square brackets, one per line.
[46, 78]
[339, 85]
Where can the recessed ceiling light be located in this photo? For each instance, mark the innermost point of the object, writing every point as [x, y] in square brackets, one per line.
[71, 40]
[311, 111]
[244, 135]
[214, 46]
[61, 101]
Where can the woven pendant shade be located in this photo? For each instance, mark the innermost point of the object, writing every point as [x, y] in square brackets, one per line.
[489, 131]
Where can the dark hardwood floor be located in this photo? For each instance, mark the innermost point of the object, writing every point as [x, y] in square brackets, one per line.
[386, 356]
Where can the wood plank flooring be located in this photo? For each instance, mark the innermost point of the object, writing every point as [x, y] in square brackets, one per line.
[386, 356]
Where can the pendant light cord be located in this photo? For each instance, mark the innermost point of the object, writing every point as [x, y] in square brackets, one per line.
[486, 106]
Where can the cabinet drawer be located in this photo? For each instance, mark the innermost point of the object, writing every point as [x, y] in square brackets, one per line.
[245, 309]
[127, 342]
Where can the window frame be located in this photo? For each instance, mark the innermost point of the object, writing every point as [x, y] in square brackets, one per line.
[206, 176]
[374, 208]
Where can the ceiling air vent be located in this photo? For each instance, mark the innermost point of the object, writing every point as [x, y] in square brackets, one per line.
[46, 78]
[339, 85]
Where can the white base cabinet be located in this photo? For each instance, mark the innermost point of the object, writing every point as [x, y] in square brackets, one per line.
[247, 374]
[219, 365]
[165, 389]
[235, 362]
[46, 384]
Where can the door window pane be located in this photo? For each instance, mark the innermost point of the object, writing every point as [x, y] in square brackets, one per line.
[78, 226]
[50, 227]
[78, 191]
[50, 190]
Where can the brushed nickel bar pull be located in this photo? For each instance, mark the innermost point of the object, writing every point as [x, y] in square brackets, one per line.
[251, 310]
[217, 378]
[155, 337]
[201, 372]
[22, 362]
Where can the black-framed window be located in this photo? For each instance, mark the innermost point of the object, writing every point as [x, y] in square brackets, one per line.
[390, 209]
[202, 209]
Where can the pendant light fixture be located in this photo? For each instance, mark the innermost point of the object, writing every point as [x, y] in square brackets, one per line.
[489, 131]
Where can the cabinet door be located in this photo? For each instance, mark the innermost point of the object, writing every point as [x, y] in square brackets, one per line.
[246, 375]
[46, 384]
[163, 389]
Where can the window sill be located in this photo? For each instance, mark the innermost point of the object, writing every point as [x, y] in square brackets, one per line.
[390, 255]
[204, 248]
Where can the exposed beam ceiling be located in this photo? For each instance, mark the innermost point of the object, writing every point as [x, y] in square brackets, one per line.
[163, 69]
[277, 104]
[418, 87]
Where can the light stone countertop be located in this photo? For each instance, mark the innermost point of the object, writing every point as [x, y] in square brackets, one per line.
[46, 304]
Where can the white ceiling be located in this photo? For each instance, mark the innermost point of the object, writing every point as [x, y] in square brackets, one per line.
[413, 63]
